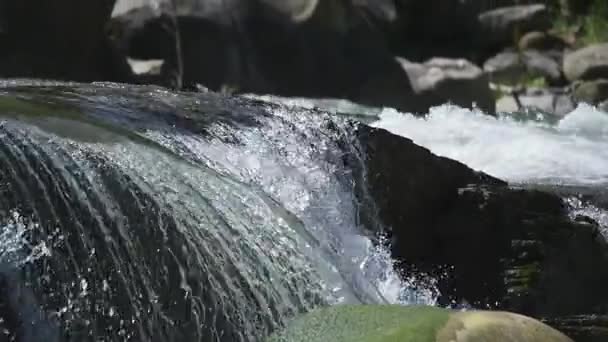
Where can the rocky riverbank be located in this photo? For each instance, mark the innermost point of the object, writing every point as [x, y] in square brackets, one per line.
[496, 55]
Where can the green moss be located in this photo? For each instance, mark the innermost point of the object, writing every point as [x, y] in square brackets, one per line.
[590, 28]
[373, 323]
[595, 25]
[535, 82]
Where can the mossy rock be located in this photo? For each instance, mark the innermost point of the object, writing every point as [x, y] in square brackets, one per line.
[392, 323]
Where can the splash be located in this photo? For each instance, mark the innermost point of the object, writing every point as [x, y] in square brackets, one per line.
[578, 207]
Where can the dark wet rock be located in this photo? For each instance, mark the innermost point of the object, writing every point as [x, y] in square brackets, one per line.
[457, 81]
[541, 41]
[489, 244]
[551, 101]
[62, 39]
[333, 54]
[582, 328]
[503, 26]
[592, 92]
[588, 63]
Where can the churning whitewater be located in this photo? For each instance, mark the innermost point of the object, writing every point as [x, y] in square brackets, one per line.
[526, 148]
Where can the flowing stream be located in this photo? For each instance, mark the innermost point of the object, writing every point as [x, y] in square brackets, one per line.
[135, 213]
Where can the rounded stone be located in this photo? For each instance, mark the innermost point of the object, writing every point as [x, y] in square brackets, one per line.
[588, 63]
[391, 323]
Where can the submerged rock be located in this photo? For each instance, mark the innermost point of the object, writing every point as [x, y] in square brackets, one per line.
[384, 323]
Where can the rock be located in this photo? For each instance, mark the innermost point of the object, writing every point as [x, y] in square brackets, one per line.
[149, 67]
[592, 92]
[503, 26]
[488, 244]
[548, 101]
[380, 323]
[541, 41]
[458, 81]
[61, 39]
[588, 63]
[582, 328]
[333, 54]
[511, 67]
[506, 68]
[539, 64]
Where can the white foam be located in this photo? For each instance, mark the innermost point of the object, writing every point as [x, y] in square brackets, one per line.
[572, 151]
[580, 208]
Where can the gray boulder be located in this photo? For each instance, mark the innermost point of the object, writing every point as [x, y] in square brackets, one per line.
[592, 92]
[539, 64]
[503, 26]
[505, 68]
[541, 41]
[457, 81]
[512, 67]
[587, 63]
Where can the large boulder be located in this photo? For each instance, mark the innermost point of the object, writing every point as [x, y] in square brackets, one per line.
[458, 81]
[335, 53]
[588, 63]
[500, 247]
[504, 26]
[62, 39]
[384, 323]
[541, 41]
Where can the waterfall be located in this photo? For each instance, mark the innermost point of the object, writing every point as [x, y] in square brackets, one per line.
[136, 213]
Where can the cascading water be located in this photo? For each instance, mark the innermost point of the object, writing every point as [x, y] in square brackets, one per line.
[134, 213]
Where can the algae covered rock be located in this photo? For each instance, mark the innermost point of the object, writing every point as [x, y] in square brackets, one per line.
[392, 323]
